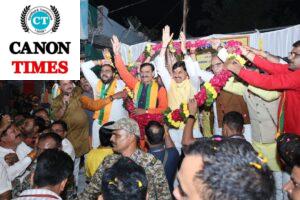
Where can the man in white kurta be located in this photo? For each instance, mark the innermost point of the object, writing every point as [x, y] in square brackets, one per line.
[179, 86]
[117, 110]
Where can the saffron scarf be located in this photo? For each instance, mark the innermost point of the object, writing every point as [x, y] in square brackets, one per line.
[151, 96]
[281, 116]
[103, 114]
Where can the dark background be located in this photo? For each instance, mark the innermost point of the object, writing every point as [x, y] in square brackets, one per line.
[205, 16]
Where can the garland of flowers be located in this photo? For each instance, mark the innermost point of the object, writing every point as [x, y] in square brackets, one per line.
[142, 119]
[209, 92]
[176, 118]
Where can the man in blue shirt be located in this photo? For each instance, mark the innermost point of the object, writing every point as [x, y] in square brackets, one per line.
[163, 148]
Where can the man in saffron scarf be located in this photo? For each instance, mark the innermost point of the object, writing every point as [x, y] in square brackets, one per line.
[108, 94]
[149, 97]
[180, 87]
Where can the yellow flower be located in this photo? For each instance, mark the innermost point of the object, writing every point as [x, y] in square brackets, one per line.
[241, 60]
[148, 47]
[262, 158]
[211, 89]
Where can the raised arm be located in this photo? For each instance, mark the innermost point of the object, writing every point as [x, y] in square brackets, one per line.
[128, 78]
[266, 95]
[188, 136]
[168, 140]
[266, 65]
[268, 82]
[237, 88]
[90, 76]
[160, 59]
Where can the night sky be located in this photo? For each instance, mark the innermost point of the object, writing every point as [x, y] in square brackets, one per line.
[207, 16]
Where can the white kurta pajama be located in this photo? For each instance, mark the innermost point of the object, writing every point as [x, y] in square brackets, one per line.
[182, 95]
[117, 110]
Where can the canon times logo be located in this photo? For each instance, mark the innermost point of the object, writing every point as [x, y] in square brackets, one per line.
[40, 20]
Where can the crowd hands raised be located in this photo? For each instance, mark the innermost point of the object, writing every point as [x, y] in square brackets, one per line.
[233, 156]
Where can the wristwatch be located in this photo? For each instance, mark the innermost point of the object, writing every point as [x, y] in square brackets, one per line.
[192, 117]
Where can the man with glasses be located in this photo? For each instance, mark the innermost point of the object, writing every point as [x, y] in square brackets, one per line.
[108, 93]
[284, 77]
[227, 102]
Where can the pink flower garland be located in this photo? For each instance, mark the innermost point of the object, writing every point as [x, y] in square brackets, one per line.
[201, 43]
[217, 82]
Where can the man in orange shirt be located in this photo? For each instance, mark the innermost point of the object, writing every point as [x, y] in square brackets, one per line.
[149, 96]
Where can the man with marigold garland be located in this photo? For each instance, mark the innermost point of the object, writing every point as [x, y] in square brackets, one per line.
[149, 97]
[179, 85]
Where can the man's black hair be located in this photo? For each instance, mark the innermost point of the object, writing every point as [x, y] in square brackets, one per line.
[234, 120]
[147, 64]
[54, 136]
[53, 166]
[108, 65]
[231, 170]
[296, 44]
[39, 110]
[124, 180]
[155, 132]
[179, 64]
[105, 135]
[288, 147]
[38, 121]
[62, 123]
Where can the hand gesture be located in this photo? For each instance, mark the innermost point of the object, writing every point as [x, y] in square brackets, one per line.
[233, 66]
[115, 45]
[166, 36]
[215, 43]
[139, 111]
[66, 99]
[120, 95]
[106, 54]
[5, 122]
[245, 50]
[11, 158]
[183, 42]
[193, 107]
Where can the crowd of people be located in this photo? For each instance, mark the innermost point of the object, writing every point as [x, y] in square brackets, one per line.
[244, 145]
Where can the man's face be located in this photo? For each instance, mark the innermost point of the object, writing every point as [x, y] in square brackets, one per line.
[191, 164]
[106, 74]
[58, 129]
[146, 74]
[44, 115]
[120, 140]
[27, 127]
[13, 136]
[294, 58]
[179, 75]
[217, 65]
[293, 186]
[85, 85]
[48, 143]
[66, 86]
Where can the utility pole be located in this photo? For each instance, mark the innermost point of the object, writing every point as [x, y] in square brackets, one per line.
[185, 13]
